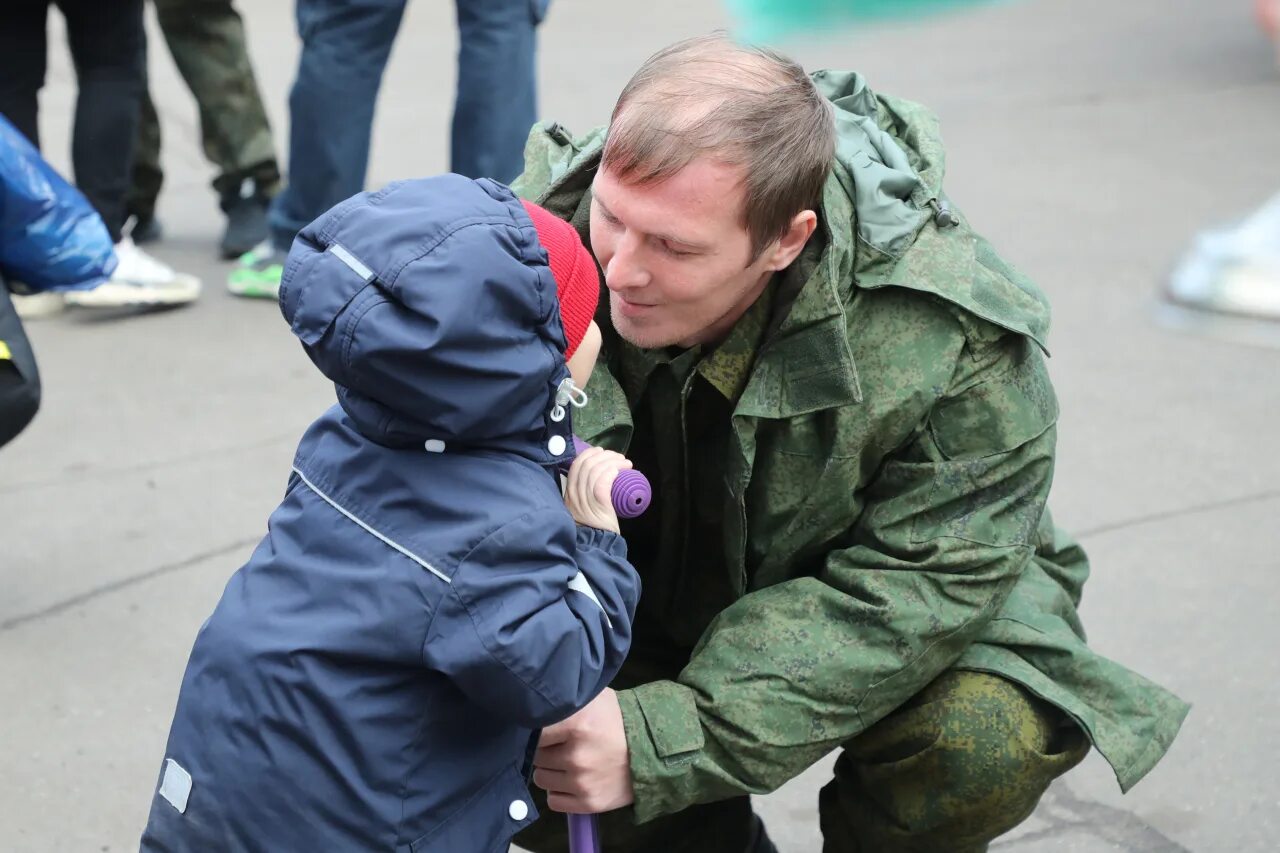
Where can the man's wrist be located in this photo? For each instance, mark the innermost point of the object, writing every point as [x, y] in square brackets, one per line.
[664, 737]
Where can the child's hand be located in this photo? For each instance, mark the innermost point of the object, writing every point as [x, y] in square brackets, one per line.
[587, 492]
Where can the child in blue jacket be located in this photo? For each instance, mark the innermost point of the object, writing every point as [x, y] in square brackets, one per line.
[425, 599]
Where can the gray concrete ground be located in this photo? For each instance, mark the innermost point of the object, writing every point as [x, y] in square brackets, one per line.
[1089, 139]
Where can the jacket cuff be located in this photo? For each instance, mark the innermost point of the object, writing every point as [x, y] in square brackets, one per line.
[664, 736]
[603, 540]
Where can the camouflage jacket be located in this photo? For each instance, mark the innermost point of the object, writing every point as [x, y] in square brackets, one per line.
[891, 453]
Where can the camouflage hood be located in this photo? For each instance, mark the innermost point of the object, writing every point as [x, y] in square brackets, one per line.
[889, 221]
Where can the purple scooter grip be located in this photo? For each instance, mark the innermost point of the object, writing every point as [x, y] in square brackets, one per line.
[583, 837]
[631, 493]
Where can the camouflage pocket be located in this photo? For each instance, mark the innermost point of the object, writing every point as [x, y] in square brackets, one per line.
[994, 500]
[1000, 414]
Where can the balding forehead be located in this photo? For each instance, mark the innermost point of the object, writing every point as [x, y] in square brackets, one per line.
[711, 70]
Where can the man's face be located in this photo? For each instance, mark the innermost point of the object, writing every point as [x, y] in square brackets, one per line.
[676, 254]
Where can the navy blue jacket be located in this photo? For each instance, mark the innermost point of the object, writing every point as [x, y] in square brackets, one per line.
[374, 677]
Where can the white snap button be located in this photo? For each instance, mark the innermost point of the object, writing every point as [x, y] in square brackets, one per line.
[519, 810]
[434, 445]
[556, 445]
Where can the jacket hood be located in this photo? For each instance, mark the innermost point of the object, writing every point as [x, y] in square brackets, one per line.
[887, 180]
[431, 307]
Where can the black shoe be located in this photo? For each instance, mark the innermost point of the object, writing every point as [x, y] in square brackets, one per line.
[246, 221]
[760, 842]
[146, 229]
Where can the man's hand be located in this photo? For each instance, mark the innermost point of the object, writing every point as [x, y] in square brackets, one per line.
[583, 763]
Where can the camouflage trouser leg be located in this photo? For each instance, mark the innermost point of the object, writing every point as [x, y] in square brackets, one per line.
[147, 177]
[961, 763]
[207, 41]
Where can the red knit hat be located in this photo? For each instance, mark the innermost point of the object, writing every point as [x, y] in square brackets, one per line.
[574, 270]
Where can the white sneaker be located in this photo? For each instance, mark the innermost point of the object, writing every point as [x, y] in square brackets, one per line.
[33, 306]
[1234, 270]
[138, 280]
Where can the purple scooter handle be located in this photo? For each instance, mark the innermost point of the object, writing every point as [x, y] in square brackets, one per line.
[631, 496]
[583, 834]
[631, 491]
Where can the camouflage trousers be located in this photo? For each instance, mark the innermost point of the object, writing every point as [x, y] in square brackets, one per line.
[963, 762]
[207, 41]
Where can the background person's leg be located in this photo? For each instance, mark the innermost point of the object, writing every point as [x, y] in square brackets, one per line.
[345, 47]
[108, 45]
[22, 64]
[497, 87]
[207, 41]
[147, 176]
[963, 762]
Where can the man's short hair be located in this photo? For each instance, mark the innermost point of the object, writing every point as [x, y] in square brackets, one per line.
[745, 105]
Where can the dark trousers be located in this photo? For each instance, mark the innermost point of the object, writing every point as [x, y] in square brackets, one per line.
[19, 379]
[344, 51]
[108, 47]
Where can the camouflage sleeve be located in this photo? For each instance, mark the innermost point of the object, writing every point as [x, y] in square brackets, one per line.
[790, 672]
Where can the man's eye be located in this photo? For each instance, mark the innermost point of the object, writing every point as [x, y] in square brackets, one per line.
[673, 251]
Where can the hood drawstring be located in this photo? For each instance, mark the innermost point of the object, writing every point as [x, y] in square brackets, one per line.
[567, 394]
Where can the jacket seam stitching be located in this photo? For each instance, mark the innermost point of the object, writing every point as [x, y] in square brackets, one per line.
[429, 247]
[367, 528]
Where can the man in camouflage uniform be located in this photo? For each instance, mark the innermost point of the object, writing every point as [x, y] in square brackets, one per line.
[207, 41]
[850, 431]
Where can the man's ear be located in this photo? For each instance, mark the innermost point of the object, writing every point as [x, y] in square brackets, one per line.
[785, 249]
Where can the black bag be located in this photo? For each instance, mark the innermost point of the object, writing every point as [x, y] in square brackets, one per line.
[19, 379]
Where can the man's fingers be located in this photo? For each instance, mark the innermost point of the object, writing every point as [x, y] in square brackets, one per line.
[555, 734]
[552, 781]
[552, 758]
[565, 803]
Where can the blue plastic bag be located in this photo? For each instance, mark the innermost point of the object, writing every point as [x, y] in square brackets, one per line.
[51, 238]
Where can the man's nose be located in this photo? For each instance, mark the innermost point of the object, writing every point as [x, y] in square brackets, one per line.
[625, 270]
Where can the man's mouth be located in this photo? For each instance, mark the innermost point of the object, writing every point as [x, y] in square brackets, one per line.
[631, 308]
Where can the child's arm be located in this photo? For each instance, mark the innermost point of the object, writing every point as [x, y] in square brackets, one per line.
[538, 617]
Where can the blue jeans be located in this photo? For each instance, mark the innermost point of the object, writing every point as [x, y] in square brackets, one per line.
[345, 45]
